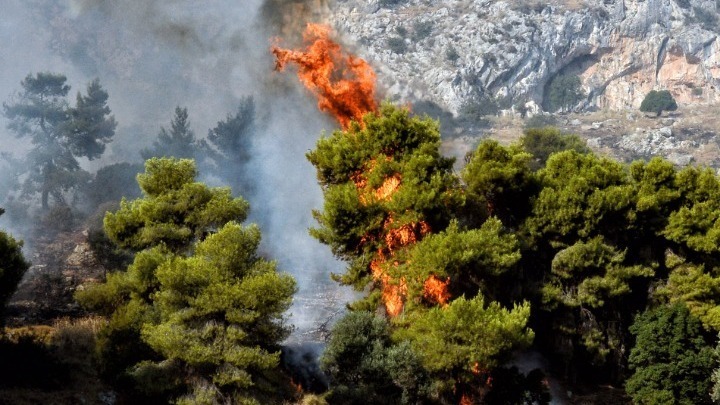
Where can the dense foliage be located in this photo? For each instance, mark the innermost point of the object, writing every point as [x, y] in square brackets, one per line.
[542, 233]
[658, 101]
[564, 92]
[197, 308]
[12, 267]
[672, 358]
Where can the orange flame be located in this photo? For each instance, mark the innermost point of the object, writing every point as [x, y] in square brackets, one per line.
[436, 290]
[393, 296]
[404, 235]
[344, 85]
[388, 187]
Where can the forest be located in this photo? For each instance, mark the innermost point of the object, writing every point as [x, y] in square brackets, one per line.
[608, 271]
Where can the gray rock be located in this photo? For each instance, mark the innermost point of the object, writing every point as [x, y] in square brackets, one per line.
[620, 49]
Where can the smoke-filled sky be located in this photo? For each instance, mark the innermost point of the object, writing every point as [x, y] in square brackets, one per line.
[204, 55]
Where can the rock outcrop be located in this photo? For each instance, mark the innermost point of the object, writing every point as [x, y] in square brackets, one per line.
[452, 51]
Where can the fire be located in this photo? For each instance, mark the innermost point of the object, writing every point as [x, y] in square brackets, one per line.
[344, 84]
[466, 400]
[436, 290]
[405, 235]
[393, 296]
[388, 187]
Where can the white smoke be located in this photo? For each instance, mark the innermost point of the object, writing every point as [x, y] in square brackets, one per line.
[154, 55]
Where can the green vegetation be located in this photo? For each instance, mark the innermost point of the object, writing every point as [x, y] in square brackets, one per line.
[672, 358]
[12, 268]
[564, 92]
[658, 101]
[60, 134]
[541, 233]
[422, 29]
[397, 45]
[197, 313]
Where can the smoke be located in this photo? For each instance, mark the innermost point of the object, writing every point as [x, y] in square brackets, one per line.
[207, 56]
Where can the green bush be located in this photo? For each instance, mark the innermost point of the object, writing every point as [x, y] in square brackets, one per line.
[564, 92]
[672, 358]
[421, 30]
[451, 54]
[60, 218]
[397, 45]
[390, 3]
[543, 142]
[658, 101]
[540, 121]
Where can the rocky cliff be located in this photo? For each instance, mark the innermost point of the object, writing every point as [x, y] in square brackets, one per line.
[454, 51]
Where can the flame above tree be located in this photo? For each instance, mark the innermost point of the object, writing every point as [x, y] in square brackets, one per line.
[344, 84]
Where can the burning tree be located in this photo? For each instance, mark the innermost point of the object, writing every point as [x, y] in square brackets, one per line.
[387, 188]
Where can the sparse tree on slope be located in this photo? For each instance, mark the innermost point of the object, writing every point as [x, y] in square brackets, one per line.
[658, 101]
[59, 134]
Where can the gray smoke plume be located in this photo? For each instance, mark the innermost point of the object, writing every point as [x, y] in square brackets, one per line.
[207, 56]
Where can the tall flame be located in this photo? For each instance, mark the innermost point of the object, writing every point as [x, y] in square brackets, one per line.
[344, 84]
[436, 290]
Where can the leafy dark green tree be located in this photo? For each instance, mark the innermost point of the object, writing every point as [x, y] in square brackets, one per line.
[40, 112]
[697, 289]
[365, 366]
[672, 359]
[356, 169]
[564, 92]
[500, 182]
[12, 267]
[715, 394]
[543, 142]
[178, 142]
[175, 211]
[474, 260]
[91, 126]
[695, 224]
[658, 101]
[170, 222]
[221, 312]
[231, 140]
[112, 183]
[465, 338]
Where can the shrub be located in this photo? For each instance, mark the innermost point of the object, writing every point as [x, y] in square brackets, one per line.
[706, 18]
[59, 219]
[672, 358]
[421, 30]
[541, 121]
[658, 101]
[543, 142]
[564, 92]
[390, 3]
[397, 45]
[451, 54]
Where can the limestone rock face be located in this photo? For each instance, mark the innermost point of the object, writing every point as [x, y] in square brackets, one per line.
[450, 51]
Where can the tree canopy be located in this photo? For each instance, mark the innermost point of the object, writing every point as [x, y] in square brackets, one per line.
[658, 101]
[672, 358]
[197, 304]
[59, 133]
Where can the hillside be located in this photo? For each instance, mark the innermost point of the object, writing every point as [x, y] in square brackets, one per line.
[454, 51]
